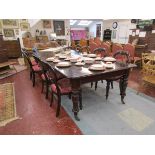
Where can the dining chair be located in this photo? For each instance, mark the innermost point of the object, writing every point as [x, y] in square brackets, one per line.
[97, 41]
[131, 49]
[107, 48]
[59, 86]
[102, 53]
[124, 60]
[85, 49]
[116, 47]
[33, 68]
[93, 46]
[83, 42]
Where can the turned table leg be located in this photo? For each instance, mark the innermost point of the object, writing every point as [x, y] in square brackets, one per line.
[123, 85]
[75, 97]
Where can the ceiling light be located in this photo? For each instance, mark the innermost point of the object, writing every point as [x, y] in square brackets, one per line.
[72, 22]
[84, 22]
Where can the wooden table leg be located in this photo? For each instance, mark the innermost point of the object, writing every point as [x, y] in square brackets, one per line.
[123, 85]
[75, 97]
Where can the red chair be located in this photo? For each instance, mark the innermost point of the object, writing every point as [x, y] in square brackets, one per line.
[131, 49]
[116, 47]
[97, 41]
[33, 68]
[60, 86]
[106, 47]
[93, 46]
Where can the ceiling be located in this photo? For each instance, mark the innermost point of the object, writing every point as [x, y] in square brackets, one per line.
[79, 26]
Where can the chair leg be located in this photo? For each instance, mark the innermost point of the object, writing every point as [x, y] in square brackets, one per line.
[33, 77]
[111, 84]
[69, 96]
[52, 96]
[42, 87]
[30, 75]
[80, 100]
[96, 85]
[107, 89]
[59, 105]
[47, 90]
[91, 84]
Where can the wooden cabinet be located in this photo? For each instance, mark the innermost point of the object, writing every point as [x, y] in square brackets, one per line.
[107, 34]
[12, 48]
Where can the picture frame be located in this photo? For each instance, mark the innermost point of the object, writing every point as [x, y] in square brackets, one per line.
[59, 27]
[10, 23]
[24, 26]
[9, 33]
[47, 24]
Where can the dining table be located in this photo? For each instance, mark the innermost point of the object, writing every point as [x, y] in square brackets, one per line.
[79, 75]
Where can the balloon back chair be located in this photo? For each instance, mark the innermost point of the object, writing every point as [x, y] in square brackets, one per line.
[131, 49]
[59, 86]
[33, 68]
[124, 60]
[93, 46]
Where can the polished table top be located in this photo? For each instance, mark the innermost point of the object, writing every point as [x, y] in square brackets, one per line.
[74, 71]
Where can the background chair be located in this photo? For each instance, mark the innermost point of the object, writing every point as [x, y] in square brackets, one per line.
[131, 49]
[106, 47]
[93, 46]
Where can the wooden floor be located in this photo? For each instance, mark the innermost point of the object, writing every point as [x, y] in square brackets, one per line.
[38, 117]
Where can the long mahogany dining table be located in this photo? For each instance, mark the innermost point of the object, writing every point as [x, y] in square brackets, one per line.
[81, 75]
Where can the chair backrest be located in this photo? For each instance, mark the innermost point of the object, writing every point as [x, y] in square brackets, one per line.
[36, 58]
[35, 52]
[131, 49]
[50, 74]
[85, 49]
[93, 46]
[100, 51]
[122, 56]
[116, 47]
[26, 56]
[97, 41]
[83, 42]
[107, 47]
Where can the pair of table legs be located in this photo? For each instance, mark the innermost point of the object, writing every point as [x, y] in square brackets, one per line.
[76, 88]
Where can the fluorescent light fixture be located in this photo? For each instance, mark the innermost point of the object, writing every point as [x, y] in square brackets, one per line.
[85, 22]
[72, 22]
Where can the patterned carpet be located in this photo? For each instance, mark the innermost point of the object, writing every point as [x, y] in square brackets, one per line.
[7, 104]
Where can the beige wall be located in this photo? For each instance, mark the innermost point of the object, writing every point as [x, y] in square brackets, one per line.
[122, 31]
[39, 25]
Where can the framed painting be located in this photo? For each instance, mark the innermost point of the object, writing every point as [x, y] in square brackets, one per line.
[59, 28]
[8, 33]
[47, 24]
[10, 23]
[24, 26]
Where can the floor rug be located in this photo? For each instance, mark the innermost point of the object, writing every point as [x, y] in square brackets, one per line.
[110, 117]
[14, 69]
[7, 104]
